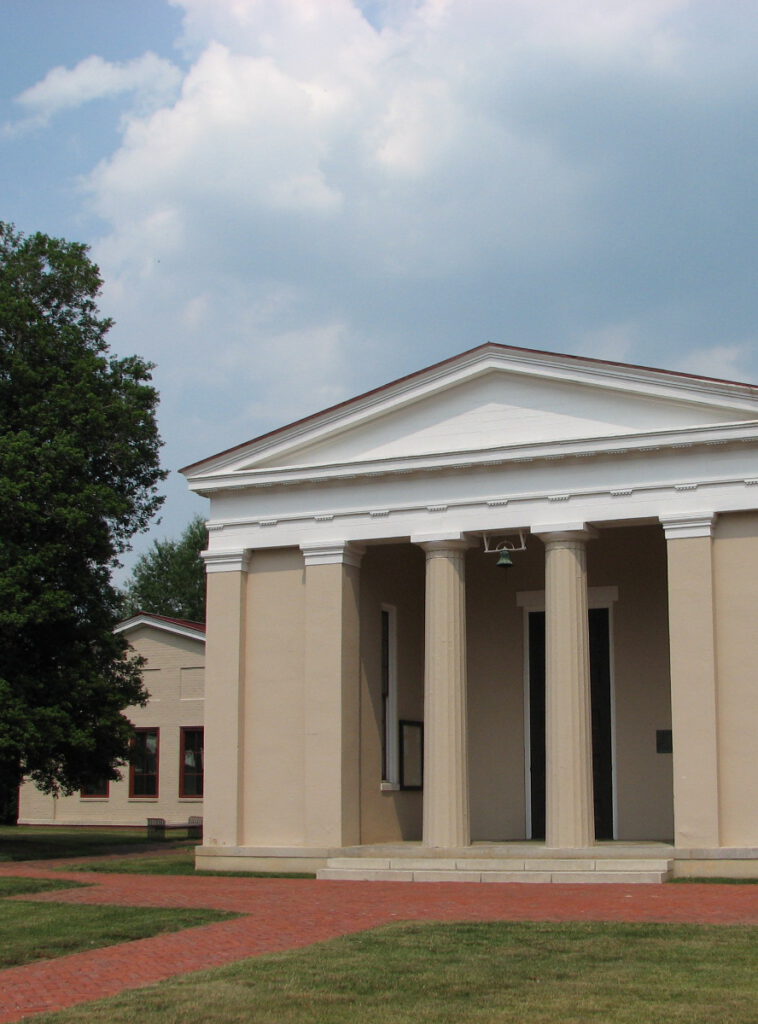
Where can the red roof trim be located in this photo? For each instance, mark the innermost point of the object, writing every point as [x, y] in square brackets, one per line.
[452, 359]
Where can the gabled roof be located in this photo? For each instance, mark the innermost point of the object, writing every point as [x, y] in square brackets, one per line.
[180, 627]
[493, 400]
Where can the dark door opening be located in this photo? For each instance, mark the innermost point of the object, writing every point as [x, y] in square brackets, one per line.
[600, 683]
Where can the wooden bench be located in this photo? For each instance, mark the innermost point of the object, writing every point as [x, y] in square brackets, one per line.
[157, 827]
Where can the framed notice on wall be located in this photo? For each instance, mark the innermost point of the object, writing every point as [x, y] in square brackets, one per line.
[411, 754]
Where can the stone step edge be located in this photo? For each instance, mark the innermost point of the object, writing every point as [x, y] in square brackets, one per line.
[497, 864]
[521, 877]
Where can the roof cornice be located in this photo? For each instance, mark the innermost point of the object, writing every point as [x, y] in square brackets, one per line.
[164, 624]
[591, 447]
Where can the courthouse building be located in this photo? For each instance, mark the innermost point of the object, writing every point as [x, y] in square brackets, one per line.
[387, 697]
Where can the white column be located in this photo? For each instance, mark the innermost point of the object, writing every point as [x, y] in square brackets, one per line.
[446, 796]
[227, 576]
[692, 648]
[332, 694]
[570, 818]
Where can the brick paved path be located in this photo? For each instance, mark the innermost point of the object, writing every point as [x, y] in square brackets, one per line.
[287, 913]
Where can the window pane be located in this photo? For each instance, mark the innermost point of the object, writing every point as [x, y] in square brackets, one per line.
[143, 773]
[192, 763]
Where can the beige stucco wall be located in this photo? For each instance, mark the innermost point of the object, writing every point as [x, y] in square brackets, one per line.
[174, 678]
[274, 737]
[391, 575]
[226, 610]
[298, 732]
[694, 716]
[735, 575]
[332, 704]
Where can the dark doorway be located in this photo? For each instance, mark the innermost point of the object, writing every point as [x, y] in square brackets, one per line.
[600, 681]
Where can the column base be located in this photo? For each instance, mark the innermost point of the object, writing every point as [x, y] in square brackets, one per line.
[279, 859]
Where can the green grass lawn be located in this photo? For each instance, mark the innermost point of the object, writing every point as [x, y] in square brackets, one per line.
[39, 842]
[32, 931]
[498, 973]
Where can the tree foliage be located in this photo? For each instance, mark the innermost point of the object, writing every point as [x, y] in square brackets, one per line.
[170, 578]
[79, 467]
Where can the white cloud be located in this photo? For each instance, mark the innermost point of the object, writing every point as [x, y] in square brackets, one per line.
[325, 200]
[151, 78]
[460, 172]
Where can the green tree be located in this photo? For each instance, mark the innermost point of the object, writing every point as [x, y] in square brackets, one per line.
[79, 465]
[169, 579]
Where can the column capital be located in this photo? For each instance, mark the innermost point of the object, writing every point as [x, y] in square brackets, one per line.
[332, 552]
[684, 526]
[438, 543]
[564, 533]
[231, 560]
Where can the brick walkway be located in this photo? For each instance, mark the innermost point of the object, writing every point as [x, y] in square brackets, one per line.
[284, 914]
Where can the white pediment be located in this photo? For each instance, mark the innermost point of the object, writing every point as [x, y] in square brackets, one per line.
[500, 410]
[491, 399]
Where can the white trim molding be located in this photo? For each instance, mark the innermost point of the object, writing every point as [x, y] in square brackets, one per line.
[684, 527]
[237, 560]
[336, 552]
[162, 623]
[587, 447]
[443, 541]
[563, 531]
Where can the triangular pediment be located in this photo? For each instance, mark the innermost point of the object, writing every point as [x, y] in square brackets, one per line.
[493, 398]
[499, 410]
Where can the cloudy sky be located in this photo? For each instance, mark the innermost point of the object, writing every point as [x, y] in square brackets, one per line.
[292, 201]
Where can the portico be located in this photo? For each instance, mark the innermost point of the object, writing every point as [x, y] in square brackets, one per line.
[354, 615]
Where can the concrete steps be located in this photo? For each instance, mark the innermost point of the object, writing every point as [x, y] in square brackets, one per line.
[571, 869]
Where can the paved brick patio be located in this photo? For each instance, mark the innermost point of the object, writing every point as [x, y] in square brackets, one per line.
[284, 914]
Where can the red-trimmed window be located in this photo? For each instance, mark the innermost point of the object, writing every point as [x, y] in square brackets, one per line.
[143, 769]
[99, 788]
[191, 763]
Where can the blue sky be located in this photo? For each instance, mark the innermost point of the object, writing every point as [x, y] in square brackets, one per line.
[292, 201]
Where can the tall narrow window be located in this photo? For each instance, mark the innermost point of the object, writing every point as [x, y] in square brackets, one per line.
[143, 770]
[191, 767]
[389, 695]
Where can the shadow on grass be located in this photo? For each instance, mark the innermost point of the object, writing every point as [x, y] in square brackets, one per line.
[40, 842]
[25, 886]
[172, 864]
